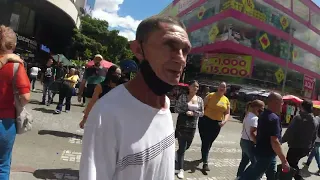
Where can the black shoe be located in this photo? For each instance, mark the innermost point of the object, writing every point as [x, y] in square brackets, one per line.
[205, 167]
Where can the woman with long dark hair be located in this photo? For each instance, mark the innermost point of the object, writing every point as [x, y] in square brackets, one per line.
[190, 108]
[113, 78]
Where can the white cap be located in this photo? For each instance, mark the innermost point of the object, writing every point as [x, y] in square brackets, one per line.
[98, 56]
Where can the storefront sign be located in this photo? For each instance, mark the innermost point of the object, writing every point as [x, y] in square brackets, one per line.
[308, 85]
[45, 48]
[30, 43]
[227, 64]
[279, 75]
[185, 4]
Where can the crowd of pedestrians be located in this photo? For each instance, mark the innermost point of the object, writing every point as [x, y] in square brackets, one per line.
[128, 126]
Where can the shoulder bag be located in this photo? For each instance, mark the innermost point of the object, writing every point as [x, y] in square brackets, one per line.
[23, 117]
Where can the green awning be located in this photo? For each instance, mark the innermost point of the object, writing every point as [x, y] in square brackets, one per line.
[63, 59]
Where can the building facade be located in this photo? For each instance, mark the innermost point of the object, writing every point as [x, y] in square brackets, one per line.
[43, 27]
[265, 43]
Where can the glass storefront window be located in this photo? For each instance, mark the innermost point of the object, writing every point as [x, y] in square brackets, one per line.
[250, 36]
[284, 3]
[315, 19]
[26, 19]
[301, 10]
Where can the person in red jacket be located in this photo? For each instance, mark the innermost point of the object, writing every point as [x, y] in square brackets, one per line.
[8, 41]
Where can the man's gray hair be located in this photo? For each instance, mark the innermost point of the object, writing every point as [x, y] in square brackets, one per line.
[152, 24]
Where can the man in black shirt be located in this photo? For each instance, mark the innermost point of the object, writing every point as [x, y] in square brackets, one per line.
[47, 78]
[60, 73]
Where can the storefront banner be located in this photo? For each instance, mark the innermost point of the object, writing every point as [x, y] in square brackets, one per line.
[185, 4]
[227, 64]
[308, 85]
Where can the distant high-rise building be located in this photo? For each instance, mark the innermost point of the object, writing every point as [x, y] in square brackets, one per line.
[90, 6]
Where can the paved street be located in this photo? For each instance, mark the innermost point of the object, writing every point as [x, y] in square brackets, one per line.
[52, 150]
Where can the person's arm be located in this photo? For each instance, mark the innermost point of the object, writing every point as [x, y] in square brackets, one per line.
[181, 105]
[275, 132]
[95, 97]
[206, 100]
[290, 130]
[226, 115]
[9, 58]
[253, 129]
[99, 146]
[23, 85]
[200, 112]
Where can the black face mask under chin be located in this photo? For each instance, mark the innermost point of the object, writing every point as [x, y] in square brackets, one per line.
[156, 85]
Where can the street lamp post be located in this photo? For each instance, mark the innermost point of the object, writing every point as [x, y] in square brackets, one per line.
[291, 31]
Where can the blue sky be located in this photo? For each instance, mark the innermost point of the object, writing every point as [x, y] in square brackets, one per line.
[125, 15]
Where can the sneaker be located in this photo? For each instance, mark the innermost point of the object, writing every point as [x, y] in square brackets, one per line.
[181, 174]
[205, 167]
[318, 173]
[57, 111]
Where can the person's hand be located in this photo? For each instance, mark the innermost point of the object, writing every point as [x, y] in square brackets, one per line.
[222, 123]
[189, 113]
[79, 98]
[285, 166]
[81, 124]
[13, 58]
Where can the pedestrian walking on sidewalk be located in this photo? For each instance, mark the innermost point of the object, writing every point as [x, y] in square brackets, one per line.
[9, 80]
[47, 78]
[190, 107]
[112, 80]
[67, 90]
[216, 115]
[268, 145]
[34, 71]
[301, 135]
[129, 133]
[248, 135]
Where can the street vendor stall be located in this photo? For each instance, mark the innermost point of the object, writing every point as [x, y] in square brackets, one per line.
[290, 108]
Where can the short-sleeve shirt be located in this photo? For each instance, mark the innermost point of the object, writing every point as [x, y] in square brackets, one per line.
[93, 76]
[73, 78]
[251, 120]
[48, 74]
[269, 125]
[216, 107]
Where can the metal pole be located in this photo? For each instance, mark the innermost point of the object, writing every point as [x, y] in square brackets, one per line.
[287, 61]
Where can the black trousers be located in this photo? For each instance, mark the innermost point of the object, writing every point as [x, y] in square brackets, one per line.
[65, 93]
[185, 140]
[293, 157]
[209, 130]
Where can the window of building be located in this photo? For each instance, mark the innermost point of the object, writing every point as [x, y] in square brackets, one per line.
[301, 10]
[284, 3]
[26, 18]
[315, 19]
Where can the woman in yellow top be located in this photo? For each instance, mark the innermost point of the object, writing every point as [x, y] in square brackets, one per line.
[67, 90]
[216, 114]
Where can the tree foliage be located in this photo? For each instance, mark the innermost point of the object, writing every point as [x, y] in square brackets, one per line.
[94, 37]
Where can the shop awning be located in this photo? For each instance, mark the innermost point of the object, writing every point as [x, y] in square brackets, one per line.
[63, 59]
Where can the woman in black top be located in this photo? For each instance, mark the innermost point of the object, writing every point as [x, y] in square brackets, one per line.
[190, 108]
[113, 78]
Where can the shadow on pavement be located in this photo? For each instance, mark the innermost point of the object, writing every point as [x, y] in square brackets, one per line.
[59, 134]
[59, 174]
[192, 166]
[44, 110]
[33, 101]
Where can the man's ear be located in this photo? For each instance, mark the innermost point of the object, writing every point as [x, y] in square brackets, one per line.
[136, 49]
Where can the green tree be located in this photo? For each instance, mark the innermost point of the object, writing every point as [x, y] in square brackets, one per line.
[95, 38]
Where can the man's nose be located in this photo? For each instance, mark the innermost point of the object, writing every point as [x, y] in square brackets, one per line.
[180, 57]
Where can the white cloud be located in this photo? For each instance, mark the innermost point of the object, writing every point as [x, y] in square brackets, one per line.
[108, 10]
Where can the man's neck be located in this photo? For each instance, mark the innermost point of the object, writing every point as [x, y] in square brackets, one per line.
[140, 90]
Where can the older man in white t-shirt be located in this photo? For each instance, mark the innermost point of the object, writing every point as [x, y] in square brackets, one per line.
[129, 134]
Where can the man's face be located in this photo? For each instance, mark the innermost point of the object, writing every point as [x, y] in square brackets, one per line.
[166, 50]
[50, 62]
[97, 61]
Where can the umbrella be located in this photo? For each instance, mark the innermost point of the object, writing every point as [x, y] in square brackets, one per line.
[292, 98]
[63, 59]
[103, 63]
[129, 65]
[316, 104]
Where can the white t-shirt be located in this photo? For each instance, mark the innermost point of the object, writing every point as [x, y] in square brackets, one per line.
[34, 71]
[126, 139]
[251, 120]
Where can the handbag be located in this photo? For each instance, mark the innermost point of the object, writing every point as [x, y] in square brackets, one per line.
[24, 119]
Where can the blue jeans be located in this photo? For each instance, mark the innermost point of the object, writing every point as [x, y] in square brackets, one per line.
[247, 148]
[46, 90]
[264, 164]
[7, 137]
[315, 153]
